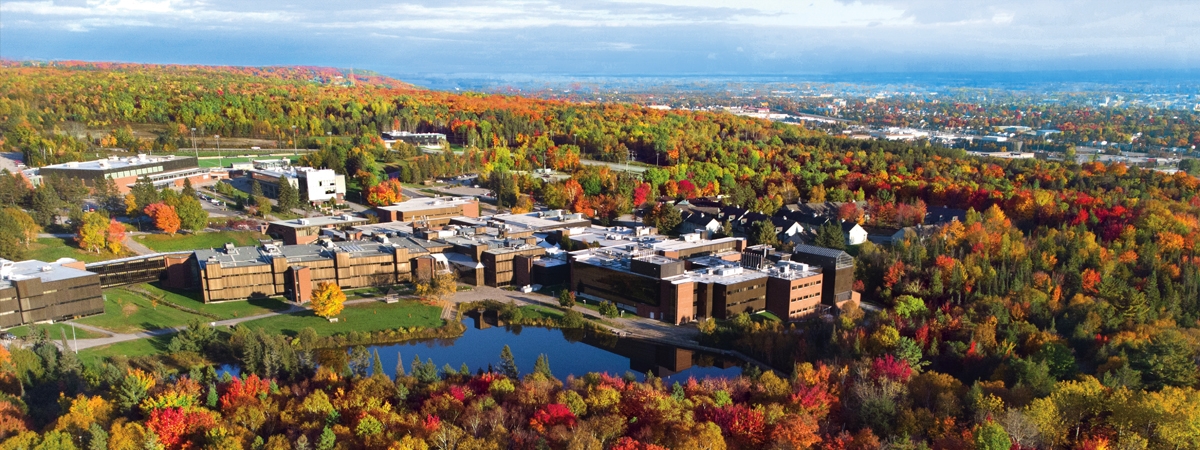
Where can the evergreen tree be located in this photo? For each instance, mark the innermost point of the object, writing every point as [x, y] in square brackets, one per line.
[212, 398]
[255, 191]
[144, 193]
[327, 440]
[764, 233]
[377, 366]
[289, 197]
[45, 204]
[830, 236]
[542, 366]
[97, 438]
[14, 190]
[399, 366]
[508, 365]
[188, 190]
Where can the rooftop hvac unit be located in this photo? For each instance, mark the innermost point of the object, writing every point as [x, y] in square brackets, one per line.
[302, 221]
[73, 164]
[47, 268]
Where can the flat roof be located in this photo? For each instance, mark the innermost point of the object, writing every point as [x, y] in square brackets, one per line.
[676, 244]
[727, 273]
[256, 255]
[423, 203]
[343, 219]
[114, 162]
[543, 220]
[52, 271]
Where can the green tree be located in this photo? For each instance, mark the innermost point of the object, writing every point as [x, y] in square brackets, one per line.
[665, 217]
[609, 309]
[192, 216]
[830, 236]
[13, 188]
[144, 193]
[508, 365]
[991, 436]
[542, 366]
[1167, 360]
[255, 190]
[289, 197]
[566, 298]
[45, 204]
[764, 233]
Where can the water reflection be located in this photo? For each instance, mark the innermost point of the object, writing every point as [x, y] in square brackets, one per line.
[571, 352]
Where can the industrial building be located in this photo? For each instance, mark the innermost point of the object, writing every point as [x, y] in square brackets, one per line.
[35, 291]
[309, 229]
[315, 185]
[417, 139]
[163, 171]
[430, 210]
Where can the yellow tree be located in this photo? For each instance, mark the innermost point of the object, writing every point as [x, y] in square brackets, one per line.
[441, 286]
[328, 300]
[90, 234]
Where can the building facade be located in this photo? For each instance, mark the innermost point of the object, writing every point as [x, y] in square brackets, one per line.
[164, 171]
[35, 291]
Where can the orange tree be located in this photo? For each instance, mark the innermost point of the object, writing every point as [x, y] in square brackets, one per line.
[328, 300]
[164, 217]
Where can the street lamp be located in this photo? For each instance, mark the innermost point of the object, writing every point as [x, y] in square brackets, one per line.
[197, 150]
[295, 151]
[220, 159]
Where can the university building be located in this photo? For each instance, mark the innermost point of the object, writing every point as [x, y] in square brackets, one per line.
[35, 291]
[163, 171]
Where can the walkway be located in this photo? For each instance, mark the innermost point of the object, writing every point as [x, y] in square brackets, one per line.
[114, 338]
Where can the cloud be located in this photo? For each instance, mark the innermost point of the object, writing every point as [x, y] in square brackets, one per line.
[626, 35]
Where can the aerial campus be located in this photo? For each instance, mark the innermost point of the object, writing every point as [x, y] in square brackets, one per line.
[662, 224]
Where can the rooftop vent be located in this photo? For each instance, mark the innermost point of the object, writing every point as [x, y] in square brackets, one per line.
[47, 268]
[302, 221]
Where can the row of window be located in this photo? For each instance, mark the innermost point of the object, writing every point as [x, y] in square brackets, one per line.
[798, 286]
[749, 300]
[134, 172]
[745, 288]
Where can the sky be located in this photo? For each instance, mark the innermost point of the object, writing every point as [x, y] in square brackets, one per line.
[615, 37]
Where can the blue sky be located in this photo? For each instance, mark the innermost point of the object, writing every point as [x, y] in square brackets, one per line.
[614, 37]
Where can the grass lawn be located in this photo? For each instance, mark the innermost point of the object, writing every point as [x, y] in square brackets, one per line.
[540, 312]
[129, 312]
[371, 292]
[52, 248]
[216, 162]
[224, 310]
[361, 317]
[55, 331]
[134, 348]
[178, 242]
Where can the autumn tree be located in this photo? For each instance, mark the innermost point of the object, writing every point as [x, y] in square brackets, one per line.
[192, 216]
[328, 300]
[438, 288]
[90, 232]
[114, 236]
[164, 217]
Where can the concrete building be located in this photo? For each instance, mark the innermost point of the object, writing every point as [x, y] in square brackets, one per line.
[35, 291]
[306, 230]
[240, 273]
[316, 185]
[417, 139]
[544, 220]
[164, 171]
[432, 211]
[837, 268]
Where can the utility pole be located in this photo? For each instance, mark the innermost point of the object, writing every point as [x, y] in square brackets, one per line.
[295, 151]
[194, 148]
[220, 158]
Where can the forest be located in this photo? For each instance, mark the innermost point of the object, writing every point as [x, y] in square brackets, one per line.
[1063, 312]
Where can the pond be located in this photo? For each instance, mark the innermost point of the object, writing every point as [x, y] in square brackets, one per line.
[570, 352]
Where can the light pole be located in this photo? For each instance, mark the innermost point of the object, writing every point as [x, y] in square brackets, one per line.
[295, 151]
[194, 148]
[328, 138]
[220, 159]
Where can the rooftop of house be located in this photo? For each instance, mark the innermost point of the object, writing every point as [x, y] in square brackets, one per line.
[423, 203]
[116, 163]
[232, 256]
[543, 220]
[324, 221]
[11, 271]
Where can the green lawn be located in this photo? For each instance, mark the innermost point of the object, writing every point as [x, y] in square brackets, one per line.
[50, 249]
[129, 312]
[216, 239]
[55, 330]
[540, 312]
[139, 347]
[224, 310]
[215, 162]
[361, 317]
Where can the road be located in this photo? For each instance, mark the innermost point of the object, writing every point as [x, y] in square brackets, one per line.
[616, 166]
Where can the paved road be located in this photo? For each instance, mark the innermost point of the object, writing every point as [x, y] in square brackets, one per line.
[616, 166]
